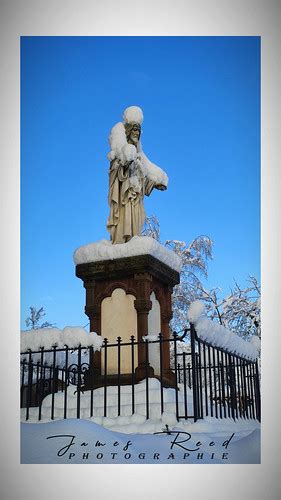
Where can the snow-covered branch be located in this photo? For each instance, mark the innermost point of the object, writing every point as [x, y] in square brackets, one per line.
[239, 311]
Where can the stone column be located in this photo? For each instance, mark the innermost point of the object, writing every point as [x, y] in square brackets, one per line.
[93, 311]
[143, 305]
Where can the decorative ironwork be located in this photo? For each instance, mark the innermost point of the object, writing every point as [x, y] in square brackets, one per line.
[75, 375]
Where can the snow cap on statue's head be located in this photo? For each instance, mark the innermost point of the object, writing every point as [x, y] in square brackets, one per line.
[133, 114]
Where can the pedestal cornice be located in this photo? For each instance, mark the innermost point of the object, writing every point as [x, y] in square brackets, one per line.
[126, 266]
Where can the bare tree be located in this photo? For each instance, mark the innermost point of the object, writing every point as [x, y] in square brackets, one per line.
[35, 317]
[151, 227]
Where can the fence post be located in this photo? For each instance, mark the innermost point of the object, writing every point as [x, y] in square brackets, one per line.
[146, 378]
[184, 384]
[133, 372]
[232, 380]
[78, 381]
[22, 383]
[193, 372]
[119, 340]
[91, 357]
[176, 377]
[29, 386]
[105, 342]
[257, 393]
[65, 382]
[161, 370]
[52, 382]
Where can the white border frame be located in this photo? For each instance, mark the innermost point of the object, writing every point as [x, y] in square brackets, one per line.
[148, 17]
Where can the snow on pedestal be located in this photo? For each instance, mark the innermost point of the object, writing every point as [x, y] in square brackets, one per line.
[138, 245]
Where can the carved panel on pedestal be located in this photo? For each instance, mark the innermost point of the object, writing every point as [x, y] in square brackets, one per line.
[118, 319]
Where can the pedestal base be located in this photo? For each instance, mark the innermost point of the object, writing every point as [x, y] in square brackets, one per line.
[127, 297]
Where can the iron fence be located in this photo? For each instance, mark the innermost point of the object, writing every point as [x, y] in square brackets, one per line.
[203, 381]
[224, 385]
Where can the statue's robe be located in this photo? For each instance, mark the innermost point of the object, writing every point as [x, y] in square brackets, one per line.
[127, 214]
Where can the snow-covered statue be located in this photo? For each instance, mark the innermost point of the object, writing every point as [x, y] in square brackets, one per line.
[131, 176]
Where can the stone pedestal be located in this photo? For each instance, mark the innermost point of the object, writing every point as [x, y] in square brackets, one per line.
[124, 297]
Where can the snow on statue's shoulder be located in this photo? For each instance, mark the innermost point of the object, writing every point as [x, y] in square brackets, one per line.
[138, 245]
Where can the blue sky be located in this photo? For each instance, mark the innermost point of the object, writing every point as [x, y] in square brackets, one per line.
[201, 102]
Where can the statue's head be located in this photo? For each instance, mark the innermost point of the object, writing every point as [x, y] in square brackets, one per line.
[133, 132]
[133, 118]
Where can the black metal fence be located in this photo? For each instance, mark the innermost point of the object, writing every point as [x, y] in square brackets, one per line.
[204, 381]
[224, 385]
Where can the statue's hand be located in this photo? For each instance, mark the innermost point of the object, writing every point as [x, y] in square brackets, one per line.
[129, 153]
[161, 187]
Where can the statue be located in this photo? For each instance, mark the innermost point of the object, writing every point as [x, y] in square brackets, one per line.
[131, 176]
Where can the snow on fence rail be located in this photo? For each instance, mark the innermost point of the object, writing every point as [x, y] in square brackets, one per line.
[218, 336]
[71, 336]
[65, 382]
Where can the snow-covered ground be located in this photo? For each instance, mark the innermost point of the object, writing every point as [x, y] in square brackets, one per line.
[126, 422]
[84, 442]
[157, 439]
